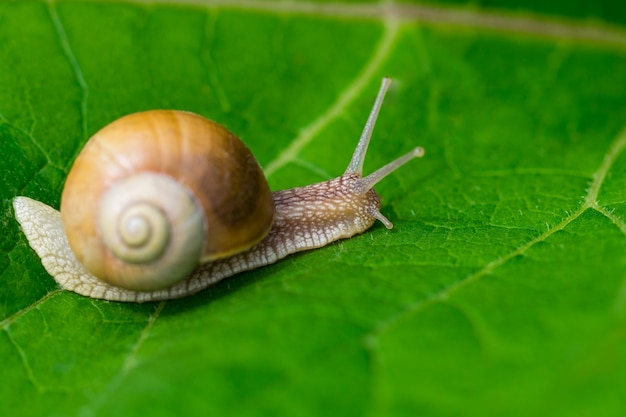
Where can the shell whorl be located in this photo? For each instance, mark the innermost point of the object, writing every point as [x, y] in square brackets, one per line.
[154, 227]
[154, 194]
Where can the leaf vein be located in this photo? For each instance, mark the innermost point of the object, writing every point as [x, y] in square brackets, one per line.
[589, 202]
[24, 360]
[4, 324]
[437, 15]
[210, 63]
[616, 220]
[71, 57]
[363, 79]
[28, 134]
[130, 362]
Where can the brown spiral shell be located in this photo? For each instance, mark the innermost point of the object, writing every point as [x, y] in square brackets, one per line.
[173, 188]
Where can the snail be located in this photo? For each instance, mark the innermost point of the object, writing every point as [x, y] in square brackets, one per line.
[161, 204]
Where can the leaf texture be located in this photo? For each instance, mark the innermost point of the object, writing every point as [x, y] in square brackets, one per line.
[500, 291]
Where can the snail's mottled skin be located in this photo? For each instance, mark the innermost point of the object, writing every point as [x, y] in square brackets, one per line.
[305, 218]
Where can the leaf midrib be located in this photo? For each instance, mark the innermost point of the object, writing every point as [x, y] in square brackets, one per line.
[530, 24]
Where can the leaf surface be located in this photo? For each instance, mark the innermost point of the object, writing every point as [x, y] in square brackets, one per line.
[501, 289]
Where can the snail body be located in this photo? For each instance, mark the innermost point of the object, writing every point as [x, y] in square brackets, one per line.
[199, 209]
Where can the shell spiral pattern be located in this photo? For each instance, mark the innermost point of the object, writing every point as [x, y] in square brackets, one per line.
[154, 241]
[153, 195]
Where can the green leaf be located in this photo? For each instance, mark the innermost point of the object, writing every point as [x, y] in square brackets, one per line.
[500, 291]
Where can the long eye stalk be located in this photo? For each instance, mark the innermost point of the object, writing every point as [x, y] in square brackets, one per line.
[356, 163]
